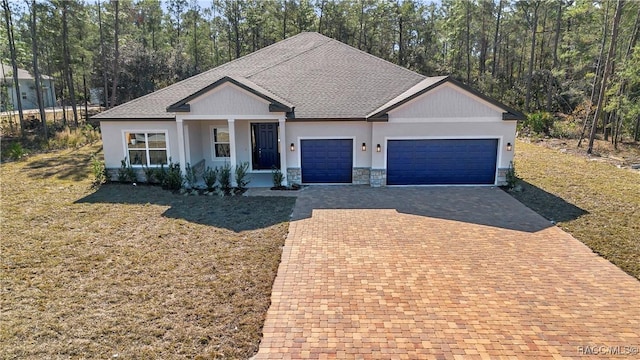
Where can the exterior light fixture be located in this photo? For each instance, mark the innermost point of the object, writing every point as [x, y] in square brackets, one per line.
[378, 148]
[509, 147]
[364, 147]
[292, 147]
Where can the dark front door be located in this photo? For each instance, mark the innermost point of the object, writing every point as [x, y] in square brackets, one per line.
[264, 138]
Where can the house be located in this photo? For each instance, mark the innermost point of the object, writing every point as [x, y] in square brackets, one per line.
[322, 112]
[27, 85]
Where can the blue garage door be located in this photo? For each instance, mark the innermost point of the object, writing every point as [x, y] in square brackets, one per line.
[326, 160]
[441, 162]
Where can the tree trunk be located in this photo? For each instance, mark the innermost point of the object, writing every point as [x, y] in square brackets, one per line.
[592, 99]
[556, 40]
[103, 58]
[14, 63]
[284, 21]
[468, 39]
[116, 58]
[67, 62]
[36, 71]
[532, 57]
[494, 63]
[322, 3]
[605, 77]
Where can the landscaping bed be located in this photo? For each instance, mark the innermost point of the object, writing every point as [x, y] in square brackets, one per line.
[127, 271]
[597, 201]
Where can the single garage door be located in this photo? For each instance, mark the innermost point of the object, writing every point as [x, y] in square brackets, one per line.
[441, 161]
[326, 160]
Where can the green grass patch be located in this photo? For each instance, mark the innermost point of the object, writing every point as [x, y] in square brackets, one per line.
[598, 203]
[130, 272]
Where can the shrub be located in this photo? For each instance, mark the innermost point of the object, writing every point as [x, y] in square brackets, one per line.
[160, 175]
[224, 178]
[210, 176]
[99, 171]
[16, 151]
[277, 177]
[511, 176]
[190, 176]
[173, 178]
[126, 173]
[242, 171]
[539, 123]
[149, 174]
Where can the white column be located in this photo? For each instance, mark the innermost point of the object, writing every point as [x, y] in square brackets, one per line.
[181, 154]
[232, 146]
[283, 149]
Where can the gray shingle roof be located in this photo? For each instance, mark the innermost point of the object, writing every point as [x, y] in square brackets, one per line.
[319, 76]
[23, 74]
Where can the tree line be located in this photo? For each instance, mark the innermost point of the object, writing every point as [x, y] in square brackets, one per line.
[574, 58]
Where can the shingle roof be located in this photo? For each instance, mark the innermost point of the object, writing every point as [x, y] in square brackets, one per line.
[23, 74]
[320, 77]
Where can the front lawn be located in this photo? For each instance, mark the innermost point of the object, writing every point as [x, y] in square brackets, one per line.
[130, 272]
[598, 203]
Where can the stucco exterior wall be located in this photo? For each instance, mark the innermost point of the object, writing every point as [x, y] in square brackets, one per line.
[113, 138]
[359, 131]
[28, 87]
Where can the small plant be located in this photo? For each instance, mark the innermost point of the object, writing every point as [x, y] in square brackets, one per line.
[210, 176]
[190, 176]
[126, 173]
[242, 171]
[16, 151]
[149, 174]
[277, 177]
[224, 178]
[539, 123]
[99, 171]
[173, 179]
[160, 175]
[511, 176]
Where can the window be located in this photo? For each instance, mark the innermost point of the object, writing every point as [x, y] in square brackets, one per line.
[221, 147]
[146, 148]
[24, 95]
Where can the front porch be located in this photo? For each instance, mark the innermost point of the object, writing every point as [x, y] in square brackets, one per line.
[217, 141]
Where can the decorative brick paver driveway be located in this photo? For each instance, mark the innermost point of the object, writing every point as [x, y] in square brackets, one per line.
[442, 273]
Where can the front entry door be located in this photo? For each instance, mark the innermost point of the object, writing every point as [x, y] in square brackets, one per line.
[266, 152]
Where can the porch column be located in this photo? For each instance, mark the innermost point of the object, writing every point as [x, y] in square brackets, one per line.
[232, 148]
[181, 155]
[283, 149]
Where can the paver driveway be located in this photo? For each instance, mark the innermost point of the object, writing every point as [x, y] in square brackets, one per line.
[417, 273]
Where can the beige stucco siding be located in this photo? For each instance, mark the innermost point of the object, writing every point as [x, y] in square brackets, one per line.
[446, 101]
[228, 99]
[113, 138]
[359, 131]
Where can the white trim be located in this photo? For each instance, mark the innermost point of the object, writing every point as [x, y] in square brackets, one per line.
[212, 141]
[181, 153]
[471, 119]
[256, 117]
[232, 148]
[146, 132]
[282, 141]
[187, 144]
[500, 139]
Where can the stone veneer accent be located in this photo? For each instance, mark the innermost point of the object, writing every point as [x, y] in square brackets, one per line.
[378, 177]
[502, 176]
[361, 176]
[294, 176]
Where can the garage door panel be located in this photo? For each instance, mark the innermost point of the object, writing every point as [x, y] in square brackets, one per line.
[326, 160]
[441, 161]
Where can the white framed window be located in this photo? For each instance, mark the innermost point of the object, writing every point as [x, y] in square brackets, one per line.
[146, 148]
[24, 95]
[220, 142]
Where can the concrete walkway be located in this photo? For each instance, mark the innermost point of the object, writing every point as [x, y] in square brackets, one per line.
[441, 273]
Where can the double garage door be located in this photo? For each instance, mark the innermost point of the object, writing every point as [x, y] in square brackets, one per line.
[441, 161]
[409, 162]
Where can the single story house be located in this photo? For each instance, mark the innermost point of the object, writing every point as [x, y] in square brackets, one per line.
[322, 112]
[27, 85]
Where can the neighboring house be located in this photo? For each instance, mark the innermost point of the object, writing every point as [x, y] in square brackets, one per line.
[27, 90]
[322, 112]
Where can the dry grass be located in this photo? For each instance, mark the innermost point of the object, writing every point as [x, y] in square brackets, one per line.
[595, 201]
[132, 272]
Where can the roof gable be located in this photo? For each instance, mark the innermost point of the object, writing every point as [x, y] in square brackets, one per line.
[275, 103]
[428, 85]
